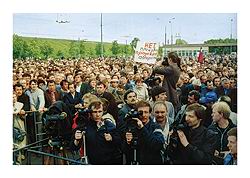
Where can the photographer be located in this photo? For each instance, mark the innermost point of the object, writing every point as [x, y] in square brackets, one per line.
[171, 72]
[196, 144]
[130, 98]
[102, 139]
[56, 124]
[146, 138]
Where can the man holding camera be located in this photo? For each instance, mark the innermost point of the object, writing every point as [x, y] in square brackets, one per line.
[171, 72]
[196, 144]
[102, 139]
[144, 143]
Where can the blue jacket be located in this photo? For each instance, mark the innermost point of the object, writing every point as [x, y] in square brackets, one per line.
[149, 145]
[221, 136]
[98, 150]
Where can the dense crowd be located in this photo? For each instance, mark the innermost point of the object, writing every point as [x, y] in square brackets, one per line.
[177, 111]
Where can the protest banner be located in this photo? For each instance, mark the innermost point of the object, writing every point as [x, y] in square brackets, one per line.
[146, 52]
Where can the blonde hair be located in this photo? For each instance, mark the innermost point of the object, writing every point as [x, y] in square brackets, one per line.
[222, 108]
[90, 98]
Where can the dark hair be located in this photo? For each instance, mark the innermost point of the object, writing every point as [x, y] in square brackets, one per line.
[196, 94]
[51, 81]
[175, 58]
[143, 103]
[101, 83]
[40, 81]
[198, 109]
[33, 80]
[17, 85]
[26, 75]
[63, 81]
[232, 132]
[126, 94]
[226, 99]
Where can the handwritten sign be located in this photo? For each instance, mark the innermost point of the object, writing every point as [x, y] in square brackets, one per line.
[146, 52]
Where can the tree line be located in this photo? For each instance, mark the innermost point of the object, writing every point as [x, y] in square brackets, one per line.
[28, 47]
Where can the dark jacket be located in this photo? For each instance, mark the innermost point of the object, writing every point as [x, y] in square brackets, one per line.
[221, 136]
[98, 150]
[86, 88]
[200, 150]
[71, 102]
[149, 145]
[48, 99]
[112, 108]
[171, 76]
[25, 100]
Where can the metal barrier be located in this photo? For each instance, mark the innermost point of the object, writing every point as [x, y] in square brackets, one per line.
[29, 149]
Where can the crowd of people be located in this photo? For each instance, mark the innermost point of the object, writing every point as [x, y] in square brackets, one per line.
[176, 111]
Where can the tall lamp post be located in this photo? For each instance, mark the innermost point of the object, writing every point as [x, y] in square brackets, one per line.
[165, 42]
[231, 34]
[171, 21]
[101, 39]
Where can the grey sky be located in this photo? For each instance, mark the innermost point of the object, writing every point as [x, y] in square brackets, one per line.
[192, 27]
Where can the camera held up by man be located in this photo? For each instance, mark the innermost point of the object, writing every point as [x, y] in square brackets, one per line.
[192, 143]
[144, 142]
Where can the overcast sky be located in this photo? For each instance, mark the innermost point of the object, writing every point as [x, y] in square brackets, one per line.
[192, 27]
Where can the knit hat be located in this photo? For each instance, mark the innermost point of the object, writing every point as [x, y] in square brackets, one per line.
[157, 90]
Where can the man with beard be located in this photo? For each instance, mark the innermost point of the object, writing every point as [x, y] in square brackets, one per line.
[130, 98]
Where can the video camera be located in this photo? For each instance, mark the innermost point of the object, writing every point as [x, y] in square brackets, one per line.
[131, 124]
[165, 61]
[56, 123]
[83, 116]
[174, 138]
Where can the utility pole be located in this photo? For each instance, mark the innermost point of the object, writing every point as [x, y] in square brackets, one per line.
[101, 39]
[165, 42]
[231, 35]
[170, 21]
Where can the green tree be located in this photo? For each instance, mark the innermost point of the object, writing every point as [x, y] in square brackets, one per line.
[82, 49]
[46, 50]
[91, 52]
[180, 42]
[60, 54]
[115, 48]
[20, 48]
[98, 49]
[134, 43]
[216, 41]
[35, 51]
[74, 49]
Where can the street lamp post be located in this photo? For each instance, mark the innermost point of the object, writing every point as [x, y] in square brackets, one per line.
[170, 21]
[165, 42]
[231, 34]
[101, 39]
